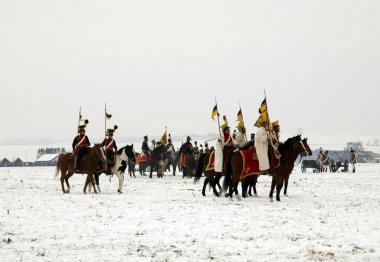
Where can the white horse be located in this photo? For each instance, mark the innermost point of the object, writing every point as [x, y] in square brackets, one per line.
[120, 166]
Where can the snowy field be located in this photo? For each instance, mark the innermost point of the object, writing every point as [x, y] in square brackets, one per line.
[329, 216]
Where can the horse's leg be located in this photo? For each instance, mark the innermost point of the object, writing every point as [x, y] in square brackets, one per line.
[63, 174]
[254, 182]
[97, 182]
[92, 180]
[68, 175]
[217, 181]
[272, 187]
[85, 184]
[151, 170]
[244, 186]
[121, 180]
[279, 184]
[212, 178]
[204, 186]
[174, 169]
[286, 184]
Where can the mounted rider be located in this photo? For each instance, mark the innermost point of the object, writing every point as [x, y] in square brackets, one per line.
[170, 147]
[228, 146]
[110, 148]
[261, 143]
[80, 142]
[186, 151]
[196, 150]
[241, 139]
[145, 147]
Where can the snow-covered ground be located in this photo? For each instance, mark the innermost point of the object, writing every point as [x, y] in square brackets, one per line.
[328, 216]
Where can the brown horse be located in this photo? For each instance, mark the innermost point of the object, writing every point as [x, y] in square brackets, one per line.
[289, 171]
[212, 177]
[94, 161]
[289, 152]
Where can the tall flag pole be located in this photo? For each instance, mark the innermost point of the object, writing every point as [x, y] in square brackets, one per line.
[214, 113]
[80, 118]
[240, 119]
[269, 131]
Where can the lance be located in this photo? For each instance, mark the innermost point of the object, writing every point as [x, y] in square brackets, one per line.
[105, 132]
[220, 133]
[80, 117]
[270, 137]
[245, 134]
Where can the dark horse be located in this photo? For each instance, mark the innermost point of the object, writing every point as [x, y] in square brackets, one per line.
[290, 169]
[212, 177]
[289, 152]
[252, 180]
[94, 159]
[123, 155]
[173, 161]
[152, 163]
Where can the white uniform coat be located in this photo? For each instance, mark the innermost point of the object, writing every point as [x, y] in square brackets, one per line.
[218, 164]
[261, 144]
[240, 140]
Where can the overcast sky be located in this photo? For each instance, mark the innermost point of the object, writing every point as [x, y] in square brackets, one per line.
[162, 63]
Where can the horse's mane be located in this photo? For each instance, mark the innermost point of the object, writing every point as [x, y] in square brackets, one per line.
[287, 145]
[120, 151]
[159, 149]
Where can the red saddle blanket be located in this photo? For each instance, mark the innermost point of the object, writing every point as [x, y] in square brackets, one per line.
[182, 160]
[211, 162]
[142, 157]
[251, 163]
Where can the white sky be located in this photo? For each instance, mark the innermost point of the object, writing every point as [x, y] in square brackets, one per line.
[160, 63]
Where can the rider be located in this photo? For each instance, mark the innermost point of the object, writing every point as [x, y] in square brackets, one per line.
[145, 147]
[261, 144]
[353, 159]
[185, 150]
[228, 146]
[241, 139]
[170, 147]
[110, 148]
[80, 142]
[196, 150]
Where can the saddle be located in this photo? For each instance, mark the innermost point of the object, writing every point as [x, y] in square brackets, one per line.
[251, 163]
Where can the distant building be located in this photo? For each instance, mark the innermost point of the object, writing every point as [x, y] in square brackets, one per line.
[17, 162]
[5, 162]
[47, 160]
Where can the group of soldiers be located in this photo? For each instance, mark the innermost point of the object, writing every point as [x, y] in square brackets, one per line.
[226, 144]
[81, 142]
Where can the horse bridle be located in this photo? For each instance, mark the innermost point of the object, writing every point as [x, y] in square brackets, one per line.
[303, 152]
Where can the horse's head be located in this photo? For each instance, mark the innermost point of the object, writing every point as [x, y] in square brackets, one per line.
[307, 147]
[130, 152]
[99, 156]
[127, 152]
[299, 146]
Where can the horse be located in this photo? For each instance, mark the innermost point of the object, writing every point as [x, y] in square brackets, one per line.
[189, 169]
[212, 177]
[94, 159]
[173, 160]
[152, 162]
[289, 152]
[122, 156]
[323, 162]
[132, 167]
[289, 171]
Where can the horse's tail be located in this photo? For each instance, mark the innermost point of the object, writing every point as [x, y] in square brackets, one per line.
[227, 175]
[57, 166]
[198, 173]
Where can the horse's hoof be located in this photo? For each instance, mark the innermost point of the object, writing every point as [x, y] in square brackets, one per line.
[119, 191]
[256, 195]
